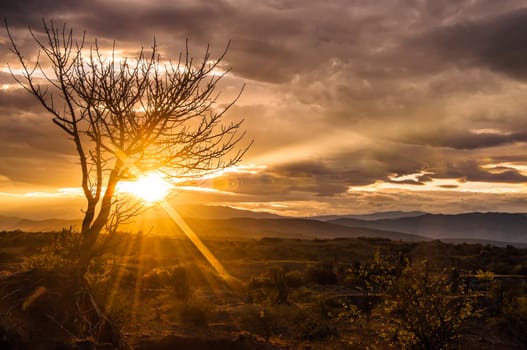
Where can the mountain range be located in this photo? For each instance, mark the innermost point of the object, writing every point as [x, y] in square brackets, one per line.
[371, 216]
[484, 226]
[487, 228]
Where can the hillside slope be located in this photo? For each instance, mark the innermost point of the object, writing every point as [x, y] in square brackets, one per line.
[488, 226]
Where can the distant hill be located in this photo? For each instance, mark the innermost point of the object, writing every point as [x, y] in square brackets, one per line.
[247, 227]
[256, 227]
[470, 226]
[500, 244]
[493, 228]
[221, 212]
[10, 223]
[371, 217]
[290, 228]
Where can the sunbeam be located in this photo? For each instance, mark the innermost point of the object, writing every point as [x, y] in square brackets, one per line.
[187, 230]
[215, 263]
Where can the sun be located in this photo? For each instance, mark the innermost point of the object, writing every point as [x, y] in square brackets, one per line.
[151, 187]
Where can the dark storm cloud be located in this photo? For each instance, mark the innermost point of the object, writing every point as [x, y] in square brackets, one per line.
[449, 186]
[21, 14]
[498, 42]
[33, 149]
[16, 100]
[258, 50]
[199, 21]
[465, 139]
[270, 41]
[6, 78]
[325, 178]
[311, 178]
[274, 40]
[32, 138]
[471, 170]
[333, 176]
[283, 181]
[321, 179]
[407, 182]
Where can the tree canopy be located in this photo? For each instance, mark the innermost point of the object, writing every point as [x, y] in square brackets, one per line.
[128, 116]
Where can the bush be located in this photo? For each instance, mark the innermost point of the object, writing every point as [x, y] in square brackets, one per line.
[322, 274]
[259, 282]
[273, 286]
[195, 314]
[177, 279]
[295, 279]
[316, 329]
[63, 251]
[156, 278]
[278, 277]
[513, 322]
[427, 312]
[181, 283]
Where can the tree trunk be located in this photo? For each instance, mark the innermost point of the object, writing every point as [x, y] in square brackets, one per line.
[91, 230]
[86, 252]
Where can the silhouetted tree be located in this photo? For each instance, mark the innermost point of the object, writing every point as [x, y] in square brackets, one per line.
[128, 116]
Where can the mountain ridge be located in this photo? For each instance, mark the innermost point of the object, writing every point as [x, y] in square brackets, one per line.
[395, 214]
[492, 226]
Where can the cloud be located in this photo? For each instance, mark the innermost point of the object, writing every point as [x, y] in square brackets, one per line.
[33, 149]
[497, 42]
[471, 170]
[461, 139]
[16, 100]
[339, 93]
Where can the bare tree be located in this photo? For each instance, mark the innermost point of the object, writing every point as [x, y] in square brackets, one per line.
[126, 116]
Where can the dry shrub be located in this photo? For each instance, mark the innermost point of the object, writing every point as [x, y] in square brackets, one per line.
[44, 308]
[157, 278]
[181, 283]
[322, 274]
[195, 314]
[177, 280]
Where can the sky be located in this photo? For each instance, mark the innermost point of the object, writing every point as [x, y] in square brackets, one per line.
[353, 106]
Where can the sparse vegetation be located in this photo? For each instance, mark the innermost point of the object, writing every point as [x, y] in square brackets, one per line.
[331, 294]
[426, 311]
